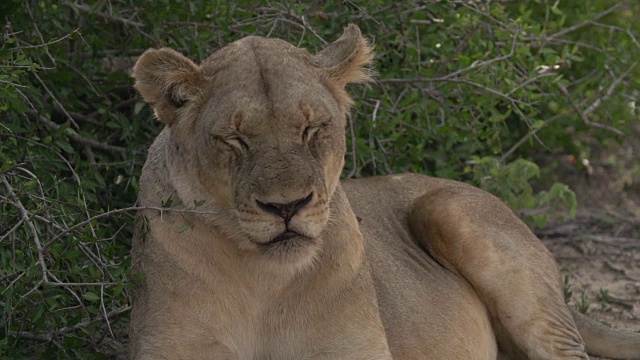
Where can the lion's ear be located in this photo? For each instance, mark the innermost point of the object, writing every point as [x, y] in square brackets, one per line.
[166, 80]
[345, 59]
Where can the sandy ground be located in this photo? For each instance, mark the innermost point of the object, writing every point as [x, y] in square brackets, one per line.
[600, 249]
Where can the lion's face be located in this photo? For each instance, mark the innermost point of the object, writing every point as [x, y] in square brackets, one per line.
[258, 134]
[274, 142]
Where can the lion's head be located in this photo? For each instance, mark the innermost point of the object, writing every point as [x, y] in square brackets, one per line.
[257, 132]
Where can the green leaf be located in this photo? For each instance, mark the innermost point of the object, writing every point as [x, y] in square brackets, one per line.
[184, 227]
[37, 315]
[64, 146]
[198, 203]
[89, 296]
[138, 107]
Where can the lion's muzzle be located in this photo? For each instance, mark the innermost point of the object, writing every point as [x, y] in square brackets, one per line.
[287, 210]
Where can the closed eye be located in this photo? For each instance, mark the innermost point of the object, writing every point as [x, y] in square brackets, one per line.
[308, 133]
[233, 141]
[237, 142]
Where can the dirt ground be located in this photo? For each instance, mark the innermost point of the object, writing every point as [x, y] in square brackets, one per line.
[599, 250]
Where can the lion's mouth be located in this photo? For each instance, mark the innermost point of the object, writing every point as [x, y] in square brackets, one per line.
[287, 235]
[287, 238]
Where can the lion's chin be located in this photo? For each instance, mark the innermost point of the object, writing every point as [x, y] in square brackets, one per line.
[291, 249]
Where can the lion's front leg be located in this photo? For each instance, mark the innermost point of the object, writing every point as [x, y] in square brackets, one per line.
[155, 336]
[151, 352]
[474, 234]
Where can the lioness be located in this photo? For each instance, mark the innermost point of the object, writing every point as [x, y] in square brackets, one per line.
[271, 262]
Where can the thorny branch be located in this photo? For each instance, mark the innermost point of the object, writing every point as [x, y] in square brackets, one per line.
[88, 10]
[50, 335]
[32, 228]
[129, 209]
[71, 119]
[26, 217]
[81, 139]
[609, 91]
[584, 115]
[454, 75]
[55, 99]
[18, 48]
[517, 40]
[582, 24]
[49, 278]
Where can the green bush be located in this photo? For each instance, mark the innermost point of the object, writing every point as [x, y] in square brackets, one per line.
[473, 91]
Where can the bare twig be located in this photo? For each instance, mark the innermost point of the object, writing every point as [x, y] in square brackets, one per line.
[26, 99]
[531, 133]
[87, 10]
[491, 91]
[308, 27]
[66, 284]
[609, 91]
[302, 26]
[35, 26]
[104, 310]
[32, 228]
[618, 28]
[583, 23]
[624, 303]
[17, 48]
[119, 106]
[529, 81]
[55, 99]
[193, 23]
[457, 73]
[129, 209]
[82, 118]
[82, 140]
[13, 84]
[31, 215]
[354, 165]
[13, 282]
[582, 114]
[12, 230]
[454, 77]
[372, 130]
[50, 335]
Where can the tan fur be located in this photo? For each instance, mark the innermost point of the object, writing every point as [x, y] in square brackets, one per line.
[255, 137]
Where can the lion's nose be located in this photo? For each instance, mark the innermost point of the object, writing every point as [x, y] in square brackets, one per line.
[288, 210]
